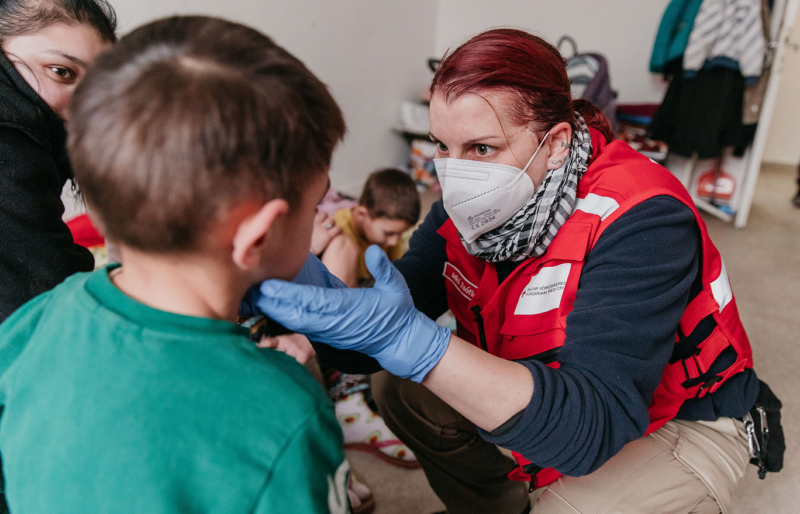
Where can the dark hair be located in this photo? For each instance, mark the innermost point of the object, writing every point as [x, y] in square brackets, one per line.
[391, 193]
[20, 17]
[525, 65]
[188, 117]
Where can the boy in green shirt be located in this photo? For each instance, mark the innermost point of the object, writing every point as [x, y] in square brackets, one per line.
[131, 389]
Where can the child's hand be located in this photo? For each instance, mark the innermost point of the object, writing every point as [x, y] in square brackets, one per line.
[324, 231]
[293, 345]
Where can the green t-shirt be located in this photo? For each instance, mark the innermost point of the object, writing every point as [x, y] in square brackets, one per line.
[112, 406]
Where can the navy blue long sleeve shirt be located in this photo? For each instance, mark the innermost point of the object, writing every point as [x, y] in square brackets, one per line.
[633, 290]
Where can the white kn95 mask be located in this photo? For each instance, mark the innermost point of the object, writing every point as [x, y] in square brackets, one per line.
[480, 196]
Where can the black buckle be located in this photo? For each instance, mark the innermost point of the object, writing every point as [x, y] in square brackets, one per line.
[532, 469]
[705, 380]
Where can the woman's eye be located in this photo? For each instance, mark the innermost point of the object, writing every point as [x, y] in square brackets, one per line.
[482, 149]
[63, 73]
[441, 146]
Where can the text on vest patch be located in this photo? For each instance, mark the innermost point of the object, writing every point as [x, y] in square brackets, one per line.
[543, 293]
[464, 286]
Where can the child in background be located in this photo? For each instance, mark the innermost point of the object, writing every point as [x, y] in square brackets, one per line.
[389, 205]
[131, 389]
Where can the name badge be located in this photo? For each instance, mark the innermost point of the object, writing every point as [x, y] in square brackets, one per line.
[544, 291]
[464, 286]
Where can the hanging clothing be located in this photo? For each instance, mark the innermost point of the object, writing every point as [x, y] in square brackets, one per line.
[728, 34]
[673, 33]
[702, 115]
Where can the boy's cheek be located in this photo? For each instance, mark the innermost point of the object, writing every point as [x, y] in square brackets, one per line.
[296, 248]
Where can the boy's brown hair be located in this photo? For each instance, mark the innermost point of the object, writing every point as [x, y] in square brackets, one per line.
[391, 193]
[187, 117]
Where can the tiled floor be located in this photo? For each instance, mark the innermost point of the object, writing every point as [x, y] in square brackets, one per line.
[763, 262]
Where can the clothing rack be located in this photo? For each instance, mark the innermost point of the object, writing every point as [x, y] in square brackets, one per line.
[784, 14]
[756, 151]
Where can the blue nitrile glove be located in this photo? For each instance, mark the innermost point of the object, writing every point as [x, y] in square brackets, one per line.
[380, 321]
[313, 273]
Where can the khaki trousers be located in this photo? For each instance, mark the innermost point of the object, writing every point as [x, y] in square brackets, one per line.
[685, 467]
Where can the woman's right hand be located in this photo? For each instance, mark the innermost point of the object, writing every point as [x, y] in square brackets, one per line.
[380, 321]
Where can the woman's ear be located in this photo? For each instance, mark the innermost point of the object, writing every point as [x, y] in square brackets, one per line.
[558, 145]
[253, 233]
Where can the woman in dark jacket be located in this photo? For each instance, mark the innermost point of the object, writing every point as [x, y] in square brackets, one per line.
[46, 48]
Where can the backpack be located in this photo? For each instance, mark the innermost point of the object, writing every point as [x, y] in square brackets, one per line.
[589, 80]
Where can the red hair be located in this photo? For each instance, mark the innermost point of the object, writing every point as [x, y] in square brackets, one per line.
[522, 64]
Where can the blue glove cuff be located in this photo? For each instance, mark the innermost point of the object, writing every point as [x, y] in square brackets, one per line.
[435, 351]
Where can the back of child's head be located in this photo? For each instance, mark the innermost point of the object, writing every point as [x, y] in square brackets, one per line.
[391, 193]
[187, 118]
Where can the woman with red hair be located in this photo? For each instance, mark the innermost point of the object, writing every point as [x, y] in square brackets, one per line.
[597, 334]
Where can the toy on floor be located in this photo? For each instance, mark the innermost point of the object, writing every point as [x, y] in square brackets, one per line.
[364, 430]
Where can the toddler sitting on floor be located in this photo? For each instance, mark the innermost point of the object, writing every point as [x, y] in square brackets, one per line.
[389, 206]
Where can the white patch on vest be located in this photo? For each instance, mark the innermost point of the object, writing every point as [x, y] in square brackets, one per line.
[544, 291]
[601, 206]
[464, 286]
[721, 288]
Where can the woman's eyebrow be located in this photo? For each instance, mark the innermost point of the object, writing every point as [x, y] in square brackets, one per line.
[469, 142]
[69, 57]
[479, 140]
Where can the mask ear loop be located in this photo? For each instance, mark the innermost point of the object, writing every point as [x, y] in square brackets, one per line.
[516, 179]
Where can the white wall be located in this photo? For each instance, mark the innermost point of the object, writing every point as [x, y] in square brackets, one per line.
[371, 54]
[783, 143]
[622, 30]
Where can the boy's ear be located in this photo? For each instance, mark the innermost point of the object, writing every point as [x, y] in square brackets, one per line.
[361, 212]
[253, 232]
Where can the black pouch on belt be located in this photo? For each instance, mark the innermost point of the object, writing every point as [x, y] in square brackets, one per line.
[765, 433]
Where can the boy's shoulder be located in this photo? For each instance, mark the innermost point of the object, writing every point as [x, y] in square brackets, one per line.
[192, 389]
[346, 246]
[349, 240]
[284, 376]
[26, 318]
[70, 287]
[81, 310]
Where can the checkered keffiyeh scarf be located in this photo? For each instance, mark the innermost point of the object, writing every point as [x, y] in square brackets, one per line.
[531, 230]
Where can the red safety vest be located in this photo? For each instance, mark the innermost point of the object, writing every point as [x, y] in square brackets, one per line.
[525, 316]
